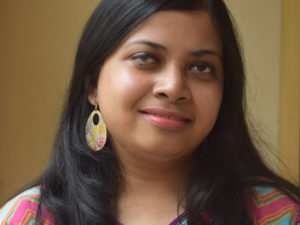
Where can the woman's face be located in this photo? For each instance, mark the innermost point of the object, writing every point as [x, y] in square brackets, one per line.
[160, 91]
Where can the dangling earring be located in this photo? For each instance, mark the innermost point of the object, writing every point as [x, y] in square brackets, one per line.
[95, 130]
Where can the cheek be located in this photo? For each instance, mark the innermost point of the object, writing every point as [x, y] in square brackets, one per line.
[119, 91]
[208, 101]
[131, 89]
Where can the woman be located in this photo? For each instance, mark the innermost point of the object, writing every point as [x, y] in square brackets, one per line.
[168, 79]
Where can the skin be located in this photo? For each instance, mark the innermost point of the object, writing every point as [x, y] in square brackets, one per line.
[171, 62]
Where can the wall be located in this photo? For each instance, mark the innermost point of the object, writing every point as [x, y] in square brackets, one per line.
[37, 48]
[270, 33]
[290, 91]
[259, 23]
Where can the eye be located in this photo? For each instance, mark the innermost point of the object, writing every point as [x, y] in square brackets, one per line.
[144, 60]
[202, 67]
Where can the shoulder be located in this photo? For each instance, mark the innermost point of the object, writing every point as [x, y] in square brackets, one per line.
[22, 209]
[271, 206]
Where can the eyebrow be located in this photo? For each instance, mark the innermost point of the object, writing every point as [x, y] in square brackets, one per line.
[157, 46]
[149, 43]
[207, 52]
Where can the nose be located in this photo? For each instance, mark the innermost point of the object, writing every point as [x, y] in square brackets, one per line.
[171, 85]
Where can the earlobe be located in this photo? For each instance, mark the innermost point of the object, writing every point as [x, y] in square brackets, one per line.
[91, 90]
[92, 97]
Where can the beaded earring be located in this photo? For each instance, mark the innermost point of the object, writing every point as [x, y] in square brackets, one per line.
[95, 130]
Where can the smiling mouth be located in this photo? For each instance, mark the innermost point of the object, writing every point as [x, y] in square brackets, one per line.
[166, 117]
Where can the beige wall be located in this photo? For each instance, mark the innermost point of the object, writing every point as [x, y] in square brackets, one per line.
[289, 141]
[260, 30]
[37, 47]
[270, 33]
[38, 40]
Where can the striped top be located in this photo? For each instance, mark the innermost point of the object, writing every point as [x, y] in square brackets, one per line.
[268, 205]
[21, 210]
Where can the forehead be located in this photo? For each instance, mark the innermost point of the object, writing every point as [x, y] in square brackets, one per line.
[181, 27]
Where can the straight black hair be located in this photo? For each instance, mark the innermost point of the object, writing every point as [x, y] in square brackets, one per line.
[81, 187]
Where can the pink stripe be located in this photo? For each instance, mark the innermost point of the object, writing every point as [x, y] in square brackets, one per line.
[26, 206]
[272, 209]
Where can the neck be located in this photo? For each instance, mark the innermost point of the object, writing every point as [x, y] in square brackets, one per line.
[151, 189]
[167, 172]
[161, 173]
[152, 186]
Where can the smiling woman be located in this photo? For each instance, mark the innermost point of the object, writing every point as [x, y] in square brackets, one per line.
[165, 81]
[157, 96]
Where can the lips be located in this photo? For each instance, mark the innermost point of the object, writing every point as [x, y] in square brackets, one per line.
[163, 116]
[166, 119]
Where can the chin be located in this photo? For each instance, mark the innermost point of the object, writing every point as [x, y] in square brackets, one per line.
[167, 154]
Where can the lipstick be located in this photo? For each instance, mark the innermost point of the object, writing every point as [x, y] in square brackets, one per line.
[165, 119]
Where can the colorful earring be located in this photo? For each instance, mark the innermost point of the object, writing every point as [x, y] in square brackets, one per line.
[95, 130]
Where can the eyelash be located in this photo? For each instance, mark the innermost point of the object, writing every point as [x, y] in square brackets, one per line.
[141, 57]
[206, 65]
[140, 60]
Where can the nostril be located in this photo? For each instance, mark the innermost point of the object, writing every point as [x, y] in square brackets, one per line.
[181, 98]
[162, 95]
[172, 92]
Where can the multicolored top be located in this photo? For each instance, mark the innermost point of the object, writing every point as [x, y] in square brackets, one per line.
[269, 206]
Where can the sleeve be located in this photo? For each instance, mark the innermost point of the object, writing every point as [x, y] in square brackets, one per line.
[270, 206]
[21, 210]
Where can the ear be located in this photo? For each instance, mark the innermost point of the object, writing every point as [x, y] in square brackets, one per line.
[92, 97]
[92, 92]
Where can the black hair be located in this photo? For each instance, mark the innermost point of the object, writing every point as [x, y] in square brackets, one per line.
[81, 186]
